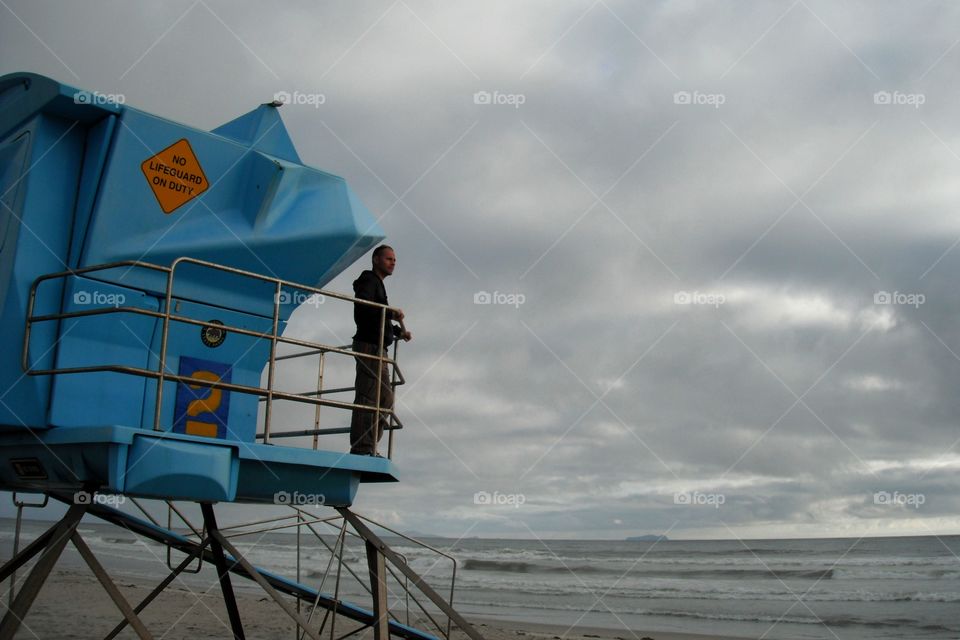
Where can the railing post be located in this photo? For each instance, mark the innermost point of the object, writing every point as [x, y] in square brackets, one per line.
[273, 362]
[376, 415]
[316, 411]
[393, 389]
[296, 632]
[28, 325]
[163, 346]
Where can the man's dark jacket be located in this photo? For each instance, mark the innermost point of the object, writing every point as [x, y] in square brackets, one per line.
[370, 287]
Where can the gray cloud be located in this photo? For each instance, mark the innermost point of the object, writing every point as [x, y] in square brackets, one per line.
[692, 199]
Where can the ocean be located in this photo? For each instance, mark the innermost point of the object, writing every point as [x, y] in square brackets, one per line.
[906, 587]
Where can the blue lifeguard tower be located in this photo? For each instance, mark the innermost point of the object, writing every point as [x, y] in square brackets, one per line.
[147, 273]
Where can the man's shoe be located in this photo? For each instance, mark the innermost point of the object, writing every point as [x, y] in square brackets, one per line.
[366, 453]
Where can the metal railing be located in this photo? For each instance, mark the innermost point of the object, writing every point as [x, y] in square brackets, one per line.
[335, 566]
[269, 394]
[393, 422]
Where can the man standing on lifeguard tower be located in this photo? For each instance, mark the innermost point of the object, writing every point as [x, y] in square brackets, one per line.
[364, 435]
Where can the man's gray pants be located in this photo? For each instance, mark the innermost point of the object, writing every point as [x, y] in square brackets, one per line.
[365, 430]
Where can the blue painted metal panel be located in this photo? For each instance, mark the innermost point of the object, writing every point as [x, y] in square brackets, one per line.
[95, 156]
[261, 128]
[36, 241]
[24, 95]
[13, 164]
[167, 468]
[260, 214]
[296, 484]
[97, 398]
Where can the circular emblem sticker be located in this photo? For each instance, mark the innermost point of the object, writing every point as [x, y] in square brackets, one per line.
[213, 337]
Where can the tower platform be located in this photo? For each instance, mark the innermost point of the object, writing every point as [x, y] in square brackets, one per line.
[147, 464]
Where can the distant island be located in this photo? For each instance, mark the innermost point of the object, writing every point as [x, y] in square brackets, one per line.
[647, 538]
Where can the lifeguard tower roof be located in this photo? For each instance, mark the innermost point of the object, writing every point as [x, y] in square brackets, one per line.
[148, 269]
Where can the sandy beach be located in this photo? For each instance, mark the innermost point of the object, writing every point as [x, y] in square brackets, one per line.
[72, 605]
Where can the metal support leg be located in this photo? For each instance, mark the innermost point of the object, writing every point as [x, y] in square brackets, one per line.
[111, 588]
[31, 587]
[378, 587]
[223, 571]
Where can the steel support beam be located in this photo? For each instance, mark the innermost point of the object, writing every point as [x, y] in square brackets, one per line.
[223, 571]
[378, 589]
[110, 587]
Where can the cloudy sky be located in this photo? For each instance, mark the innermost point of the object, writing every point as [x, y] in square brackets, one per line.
[718, 237]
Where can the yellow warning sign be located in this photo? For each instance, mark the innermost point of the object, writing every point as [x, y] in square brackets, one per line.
[175, 175]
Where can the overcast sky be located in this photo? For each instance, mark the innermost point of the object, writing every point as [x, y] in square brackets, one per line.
[695, 209]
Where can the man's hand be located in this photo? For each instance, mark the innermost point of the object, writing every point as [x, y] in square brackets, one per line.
[398, 315]
[407, 336]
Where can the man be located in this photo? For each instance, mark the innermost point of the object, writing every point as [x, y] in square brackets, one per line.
[364, 434]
